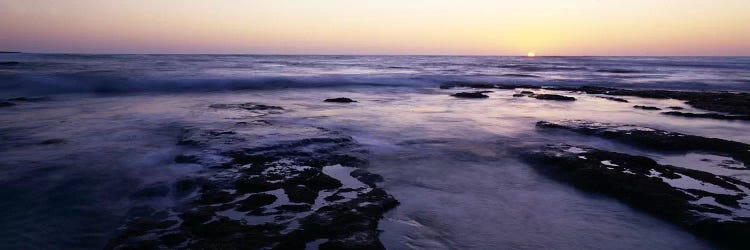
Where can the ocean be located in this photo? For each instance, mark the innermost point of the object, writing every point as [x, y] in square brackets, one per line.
[97, 137]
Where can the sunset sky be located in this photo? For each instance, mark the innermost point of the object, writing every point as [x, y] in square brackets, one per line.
[456, 27]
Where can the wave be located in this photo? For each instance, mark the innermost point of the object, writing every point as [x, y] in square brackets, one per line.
[91, 83]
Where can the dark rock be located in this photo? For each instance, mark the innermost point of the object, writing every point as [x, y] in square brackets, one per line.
[186, 159]
[640, 182]
[52, 141]
[322, 182]
[246, 106]
[350, 225]
[727, 102]
[654, 138]
[554, 97]
[618, 71]
[256, 201]
[526, 92]
[294, 166]
[172, 240]
[518, 95]
[708, 115]
[301, 194]
[339, 100]
[214, 197]
[6, 104]
[646, 107]
[9, 63]
[254, 185]
[366, 177]
[520, 75]
[616, 99]
[477, 94]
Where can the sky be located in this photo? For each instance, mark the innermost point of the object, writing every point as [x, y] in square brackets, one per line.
[416, 27]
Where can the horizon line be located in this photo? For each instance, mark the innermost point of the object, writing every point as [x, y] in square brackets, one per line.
[305, 54]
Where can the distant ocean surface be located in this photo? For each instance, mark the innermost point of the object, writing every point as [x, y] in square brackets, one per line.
[91, 143]
[70, 73]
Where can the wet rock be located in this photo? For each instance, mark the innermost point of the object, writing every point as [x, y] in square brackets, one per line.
[222, 216]
[708, 115]
[172, 240]
[339, 100]
[526, 92]
[352, 224]
[215, 197]
[246, 106]
[657, 189]
[615, 99]
[518, 95]
[728, 102]
[256, 201]
[654, 138]
[254, 185]
[366, 177]
[301, 194]
[6, 104]
[9, 63]
[554, 97]
[52, 141]
[646, 107]
[618, 71]
[477, 94]
[520, 75]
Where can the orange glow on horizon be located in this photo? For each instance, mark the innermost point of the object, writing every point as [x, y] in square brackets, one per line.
[468, 27]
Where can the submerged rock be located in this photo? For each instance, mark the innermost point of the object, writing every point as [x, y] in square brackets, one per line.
[278, 196]
[708, 115]
[339, 100]
[706, 204]
[246, 106]
[616, 99]
[53, 141]
[646, 107]
[475, 95]
[728, 102]
[654, 138]
[554, 97]
[9, 63]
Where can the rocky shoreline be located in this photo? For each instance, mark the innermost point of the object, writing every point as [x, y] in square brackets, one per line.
[724, 105]
[313, 189]
[710, 206]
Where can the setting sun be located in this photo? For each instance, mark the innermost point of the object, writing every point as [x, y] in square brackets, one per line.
[531, 54]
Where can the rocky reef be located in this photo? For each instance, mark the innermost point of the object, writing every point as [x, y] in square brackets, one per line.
[654, 139]
[735, 104]
[712, 206]
[307, 187]
[340, 100]
[475, 95]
